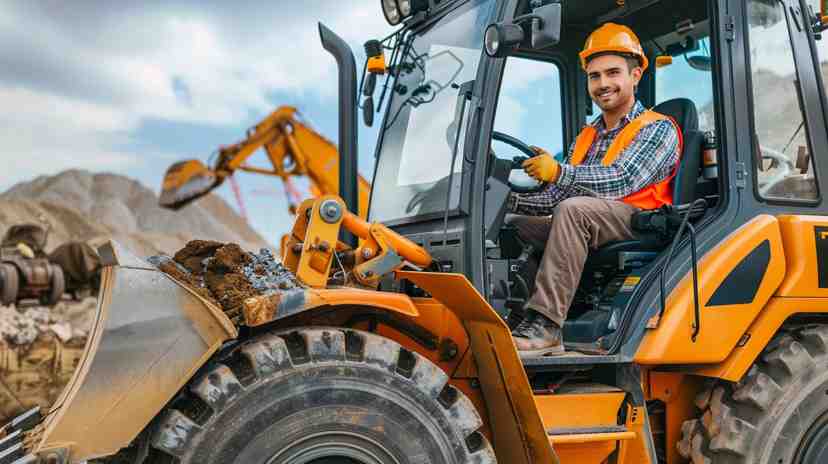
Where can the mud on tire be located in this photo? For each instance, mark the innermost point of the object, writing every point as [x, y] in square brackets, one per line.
[776, 414]
[315, 393]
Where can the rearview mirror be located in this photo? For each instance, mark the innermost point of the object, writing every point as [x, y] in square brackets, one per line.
[700, 63]
[544, 23]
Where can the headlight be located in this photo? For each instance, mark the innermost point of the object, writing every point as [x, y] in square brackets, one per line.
[391, 12]
[404, 7]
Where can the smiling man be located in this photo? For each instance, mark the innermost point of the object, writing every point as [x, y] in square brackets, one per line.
[622, 162]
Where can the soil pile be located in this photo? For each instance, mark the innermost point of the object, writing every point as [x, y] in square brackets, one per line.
[82, 206]
[226, 274]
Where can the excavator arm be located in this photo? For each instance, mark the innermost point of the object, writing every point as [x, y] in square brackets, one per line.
[293, 148]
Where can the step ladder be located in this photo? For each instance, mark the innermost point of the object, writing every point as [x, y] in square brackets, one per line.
[583, 424]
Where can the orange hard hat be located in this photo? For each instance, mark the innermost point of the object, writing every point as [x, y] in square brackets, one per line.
[613, 37]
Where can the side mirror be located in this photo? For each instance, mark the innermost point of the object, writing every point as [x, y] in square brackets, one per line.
[545, 28]
[546, 31]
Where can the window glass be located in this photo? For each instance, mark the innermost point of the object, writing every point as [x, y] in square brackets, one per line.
[427, 119]
[689, 76]
[529, 106]
[783, 162]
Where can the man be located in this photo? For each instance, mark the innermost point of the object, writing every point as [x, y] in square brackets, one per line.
[621, 163]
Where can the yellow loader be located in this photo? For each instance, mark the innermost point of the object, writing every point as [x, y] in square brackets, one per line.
[705, 340]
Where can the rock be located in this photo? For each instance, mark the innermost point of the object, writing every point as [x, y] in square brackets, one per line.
[226, 274]
[63, 330]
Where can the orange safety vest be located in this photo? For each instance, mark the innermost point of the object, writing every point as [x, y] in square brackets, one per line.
[650, 197]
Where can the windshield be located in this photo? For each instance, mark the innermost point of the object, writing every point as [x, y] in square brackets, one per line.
[424, 117]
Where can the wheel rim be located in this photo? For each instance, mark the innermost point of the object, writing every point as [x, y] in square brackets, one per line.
[814, 447]
[334, 448]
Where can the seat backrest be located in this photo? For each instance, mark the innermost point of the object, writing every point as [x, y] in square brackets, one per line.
[683, 111]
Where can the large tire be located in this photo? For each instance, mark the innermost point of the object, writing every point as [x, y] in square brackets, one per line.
[778, 413]
[10, 284]
[320, 396]
[57, 286]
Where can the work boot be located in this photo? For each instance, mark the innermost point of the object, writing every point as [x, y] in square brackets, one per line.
[537, 335]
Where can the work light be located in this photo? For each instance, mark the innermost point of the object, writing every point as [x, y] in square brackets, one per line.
[500, 38]
[391, 12]
[404, 6]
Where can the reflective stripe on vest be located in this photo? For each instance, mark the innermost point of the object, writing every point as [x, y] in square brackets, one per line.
[650, 197]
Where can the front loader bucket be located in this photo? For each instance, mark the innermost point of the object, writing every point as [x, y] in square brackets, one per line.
[186, 181]
[150, 335]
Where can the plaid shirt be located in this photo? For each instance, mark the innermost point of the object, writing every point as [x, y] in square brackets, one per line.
[649, 159]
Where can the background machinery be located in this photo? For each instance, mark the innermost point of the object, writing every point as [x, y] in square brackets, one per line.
[25, 268]
[293, 148]
[704, 341]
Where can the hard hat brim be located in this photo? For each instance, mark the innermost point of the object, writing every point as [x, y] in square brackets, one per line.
[623, 51]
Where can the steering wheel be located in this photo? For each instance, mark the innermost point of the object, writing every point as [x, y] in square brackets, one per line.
[520, 182]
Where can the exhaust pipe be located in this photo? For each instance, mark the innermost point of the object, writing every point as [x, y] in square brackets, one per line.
[347, 122]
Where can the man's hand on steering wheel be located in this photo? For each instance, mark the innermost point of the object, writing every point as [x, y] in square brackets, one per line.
[526, 185]
[542, 167]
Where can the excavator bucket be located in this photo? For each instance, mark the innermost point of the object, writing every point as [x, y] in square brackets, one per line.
[150, 335]
[186, 181]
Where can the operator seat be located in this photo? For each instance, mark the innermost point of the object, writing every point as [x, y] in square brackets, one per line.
[683, 111]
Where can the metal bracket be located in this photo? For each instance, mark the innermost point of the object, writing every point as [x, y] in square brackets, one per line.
[730, 28]
[741, 175]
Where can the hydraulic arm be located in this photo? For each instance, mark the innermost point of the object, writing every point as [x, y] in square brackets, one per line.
[293, 148]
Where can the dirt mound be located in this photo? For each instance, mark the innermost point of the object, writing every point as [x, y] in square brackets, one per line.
[95, 207]
[226, 274]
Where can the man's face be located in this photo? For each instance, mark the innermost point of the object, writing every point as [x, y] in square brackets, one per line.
[611, 81]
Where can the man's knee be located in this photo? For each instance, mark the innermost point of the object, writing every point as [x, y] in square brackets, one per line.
[532, 229]
[585, 206]
[574, 206]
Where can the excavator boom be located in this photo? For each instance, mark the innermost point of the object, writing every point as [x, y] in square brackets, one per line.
[293, 148]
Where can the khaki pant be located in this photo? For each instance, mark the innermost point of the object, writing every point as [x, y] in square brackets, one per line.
[577, 225]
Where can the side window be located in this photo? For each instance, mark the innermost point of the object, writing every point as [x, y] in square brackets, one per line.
[783, 157]
[529, 106]
[821, 45]
[689, 76]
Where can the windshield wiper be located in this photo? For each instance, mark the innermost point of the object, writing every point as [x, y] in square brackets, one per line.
[428, 91]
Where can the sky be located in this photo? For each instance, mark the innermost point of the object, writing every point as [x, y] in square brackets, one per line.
[131, 87]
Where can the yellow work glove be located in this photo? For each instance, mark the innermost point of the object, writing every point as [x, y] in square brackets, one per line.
[543, 167]
[25, 250]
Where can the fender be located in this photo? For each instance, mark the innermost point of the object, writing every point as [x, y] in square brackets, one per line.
[736, 280]
[804, 290]
[760, 334]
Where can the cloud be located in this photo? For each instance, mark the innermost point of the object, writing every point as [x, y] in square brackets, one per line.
[81, 76]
